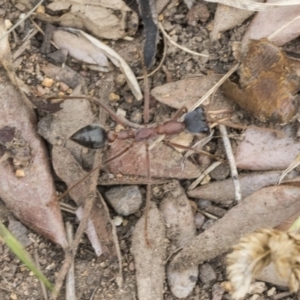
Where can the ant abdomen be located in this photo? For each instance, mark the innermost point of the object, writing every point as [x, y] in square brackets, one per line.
[92, 136]
[195, 121]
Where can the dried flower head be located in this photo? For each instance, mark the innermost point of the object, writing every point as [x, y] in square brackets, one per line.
[257, 250]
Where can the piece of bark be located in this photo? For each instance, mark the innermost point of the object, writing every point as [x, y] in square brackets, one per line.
[31, 198]
[223, 191]
[267, 207]
[181, 229]
[150, 259]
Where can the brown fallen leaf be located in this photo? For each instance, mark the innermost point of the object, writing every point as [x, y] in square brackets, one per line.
[133, 162]
[262, 150]
[185, 92]
[267, 207]
[31, 198]
[223, 191]
[267, 85]
[69, 170]
[180, 225]
[267, 22]
[150, 260]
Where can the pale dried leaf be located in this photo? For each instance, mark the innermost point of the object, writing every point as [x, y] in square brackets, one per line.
[81, 49]
[117, 60]
[265, 23]
[251, 5]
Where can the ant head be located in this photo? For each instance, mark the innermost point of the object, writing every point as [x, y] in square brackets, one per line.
[195, 121]
[92, 136]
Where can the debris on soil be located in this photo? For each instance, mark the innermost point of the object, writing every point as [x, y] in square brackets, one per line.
[150, 258]
[179, 219]
[223, 191]
[267, 207]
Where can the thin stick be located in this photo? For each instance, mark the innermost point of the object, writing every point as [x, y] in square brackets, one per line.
[119, 119]
[203, 174]
[177, 45]
[70, 279]
[231, 161]
[146, 96]
[21, 20]
[148, 193]
[200, 101]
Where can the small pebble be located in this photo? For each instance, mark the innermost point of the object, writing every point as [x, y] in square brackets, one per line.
[199, 220]
[131, 266]
[13, 296]
[118, 220]
[113, 97]
[207, 274]
[208, 224]
[120, 80]
[217, 291]
[202, 204]
[125, 200]
[220, 172]
[47, 82]
[136, 117]
[271, 292]
[20, 173]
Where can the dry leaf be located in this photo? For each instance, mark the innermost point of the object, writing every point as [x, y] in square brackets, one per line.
[179, 219]
[267, 207]
[261, 149]
[265, 23]
[227, 17]
[223, 191]
[185, 92]
[150, 260]
[133, 162]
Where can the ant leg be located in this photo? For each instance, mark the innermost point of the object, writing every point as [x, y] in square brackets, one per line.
[148, 194]
[118, 155]
[178, 112]
[119, 119]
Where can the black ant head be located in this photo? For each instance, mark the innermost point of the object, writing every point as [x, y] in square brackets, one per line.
[92, 136]
[195, 121]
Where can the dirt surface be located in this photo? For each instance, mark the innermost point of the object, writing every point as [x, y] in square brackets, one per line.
[95, 278]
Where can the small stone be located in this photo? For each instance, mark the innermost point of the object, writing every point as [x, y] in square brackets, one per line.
[41, 9]
[8, 24]
[113, 97]
[47, 82]
[254, 297]
[131, 266]
[120, 80]
[20, 173]
[121, 112]
[207, 274]
[136, 117]
[125, 200]
[63, 87]
[118, 220]
[208, 224]
[13, 296]
[220, 172]
[257, 287]
[202, 203]
[199, 220]
[217, 291]
[271, 292]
